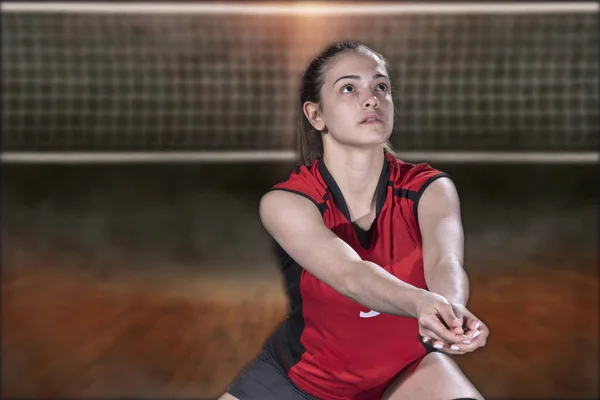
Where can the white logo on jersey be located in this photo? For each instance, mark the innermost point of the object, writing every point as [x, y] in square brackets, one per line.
[369, 314]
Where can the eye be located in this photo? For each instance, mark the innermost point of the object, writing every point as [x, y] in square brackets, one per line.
[382, 86]
[347, 89]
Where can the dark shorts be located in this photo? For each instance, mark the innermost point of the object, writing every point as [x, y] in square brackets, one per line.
[265, 379]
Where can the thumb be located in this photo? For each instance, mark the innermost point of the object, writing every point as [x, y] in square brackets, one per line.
[460, 322]
[459, 331]
[474, 324]
[450, 318]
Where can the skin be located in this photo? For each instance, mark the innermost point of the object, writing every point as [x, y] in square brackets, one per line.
[356, 86]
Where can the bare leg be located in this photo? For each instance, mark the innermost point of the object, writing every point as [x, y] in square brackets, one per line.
[436, 377]
[227, 396]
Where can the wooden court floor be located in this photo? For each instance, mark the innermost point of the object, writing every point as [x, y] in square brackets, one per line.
[68, 333]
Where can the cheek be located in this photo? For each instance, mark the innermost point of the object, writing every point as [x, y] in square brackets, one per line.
[387, 100]
[388, 104]
[342, 112]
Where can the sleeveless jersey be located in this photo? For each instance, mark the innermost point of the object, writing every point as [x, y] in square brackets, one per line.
[331, 346]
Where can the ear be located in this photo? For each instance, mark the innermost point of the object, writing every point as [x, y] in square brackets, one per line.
[312, 113]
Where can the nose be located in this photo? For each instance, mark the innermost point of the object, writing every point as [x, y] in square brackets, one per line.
[371, 102]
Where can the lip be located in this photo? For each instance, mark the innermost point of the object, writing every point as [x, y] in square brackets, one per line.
[375, 116]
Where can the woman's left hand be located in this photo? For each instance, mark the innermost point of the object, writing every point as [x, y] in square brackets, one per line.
[475, 330]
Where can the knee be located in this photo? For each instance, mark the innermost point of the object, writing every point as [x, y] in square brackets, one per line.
[227, 396]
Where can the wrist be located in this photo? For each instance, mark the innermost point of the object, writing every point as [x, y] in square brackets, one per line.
[419, 297]
[453, 296]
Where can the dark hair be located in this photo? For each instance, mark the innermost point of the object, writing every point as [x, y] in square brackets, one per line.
[310, 141]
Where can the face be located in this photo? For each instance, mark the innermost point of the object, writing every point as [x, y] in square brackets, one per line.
[356, 103]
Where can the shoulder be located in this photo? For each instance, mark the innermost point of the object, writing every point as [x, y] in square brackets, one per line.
[283, 205]
[288, 210]
[414, 177]
[304, 181]
[413, 180]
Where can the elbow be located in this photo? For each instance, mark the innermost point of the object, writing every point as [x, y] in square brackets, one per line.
[448, 263]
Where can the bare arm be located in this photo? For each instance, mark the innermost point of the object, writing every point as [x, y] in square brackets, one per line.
[443, 241]
[296, 224]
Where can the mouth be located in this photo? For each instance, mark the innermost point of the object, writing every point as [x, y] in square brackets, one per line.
[371, 119]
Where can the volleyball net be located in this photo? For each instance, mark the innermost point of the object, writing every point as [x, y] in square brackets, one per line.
[169, 82]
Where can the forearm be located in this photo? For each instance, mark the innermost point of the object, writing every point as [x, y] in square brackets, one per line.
[449, 279]
[377, 289]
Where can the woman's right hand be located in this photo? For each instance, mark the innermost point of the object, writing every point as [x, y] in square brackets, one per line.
[437, 320]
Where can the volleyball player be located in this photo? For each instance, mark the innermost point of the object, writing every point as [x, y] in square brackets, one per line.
[371, 249]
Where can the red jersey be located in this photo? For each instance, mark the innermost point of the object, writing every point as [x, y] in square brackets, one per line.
[331, 346]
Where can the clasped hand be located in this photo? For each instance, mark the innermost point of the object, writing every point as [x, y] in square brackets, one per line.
[450, 328]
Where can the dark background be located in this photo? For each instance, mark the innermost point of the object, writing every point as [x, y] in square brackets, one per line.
[158, 280]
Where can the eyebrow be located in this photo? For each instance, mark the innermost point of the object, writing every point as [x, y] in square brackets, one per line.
[356, 77]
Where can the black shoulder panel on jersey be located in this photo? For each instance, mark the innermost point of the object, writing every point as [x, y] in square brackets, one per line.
[408, 194]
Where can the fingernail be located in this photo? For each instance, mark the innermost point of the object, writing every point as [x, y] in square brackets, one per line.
[476, 334]
[426, 340]
[454, 347]
[438, 346]
[466, 342]
[477, 324]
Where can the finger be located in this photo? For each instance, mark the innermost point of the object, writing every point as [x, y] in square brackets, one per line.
[445, 347]
[449, 349]
[430, 335]
[474, 328]
[459, 312]
[476, 343]
[474, 334]
[480, 333]
[433, 337]
[438, 345]
[460, 348]
[449, 317]
[459, 331]
[485, 333]
[473, 324]
[437, 330]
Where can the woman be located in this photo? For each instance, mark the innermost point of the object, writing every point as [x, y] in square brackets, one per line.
[371, 249]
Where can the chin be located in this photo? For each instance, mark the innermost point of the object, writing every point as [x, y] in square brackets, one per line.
[370, 143]
[374, 138]
[364, 137]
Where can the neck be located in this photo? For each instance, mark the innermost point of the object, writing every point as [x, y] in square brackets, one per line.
[357, 172]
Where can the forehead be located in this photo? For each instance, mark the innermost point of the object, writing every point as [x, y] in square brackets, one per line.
[354, 63]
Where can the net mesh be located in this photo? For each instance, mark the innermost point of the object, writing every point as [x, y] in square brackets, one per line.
[111, 82]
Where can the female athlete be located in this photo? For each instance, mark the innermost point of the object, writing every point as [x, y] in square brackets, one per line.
[371, 249]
